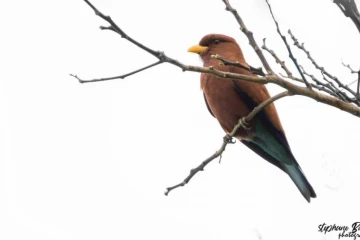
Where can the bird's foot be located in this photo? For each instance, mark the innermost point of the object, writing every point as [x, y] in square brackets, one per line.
[244, 124]
[228, 139]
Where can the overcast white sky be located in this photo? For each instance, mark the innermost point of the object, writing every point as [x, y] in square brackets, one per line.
[91, 161]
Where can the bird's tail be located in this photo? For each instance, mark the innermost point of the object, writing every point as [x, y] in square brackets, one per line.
[298, 177]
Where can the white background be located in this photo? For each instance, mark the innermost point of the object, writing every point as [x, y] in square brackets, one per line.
[92, 161]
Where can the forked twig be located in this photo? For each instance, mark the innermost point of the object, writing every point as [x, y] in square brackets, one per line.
[277, 59]
[243, 122]
[357, 80]
[249, 35]
[321, 69]
[291, 56]
[117, 77]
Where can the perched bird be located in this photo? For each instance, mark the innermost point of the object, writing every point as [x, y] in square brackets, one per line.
[228, 100]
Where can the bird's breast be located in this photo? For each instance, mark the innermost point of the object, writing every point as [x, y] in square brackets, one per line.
[224, 102]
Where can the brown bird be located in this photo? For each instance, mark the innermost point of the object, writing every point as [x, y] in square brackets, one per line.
[228, 100]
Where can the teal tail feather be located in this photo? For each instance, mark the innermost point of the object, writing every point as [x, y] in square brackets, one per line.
[274, 148]
[298, 177]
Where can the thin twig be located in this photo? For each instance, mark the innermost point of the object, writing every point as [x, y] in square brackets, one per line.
[320, 88]
[288, 47]
[114, 27]
[243, 122]
[337, 90]
[349, 67]
[249, 35]
[257, 71]
[118, 30]
[328, 85]
[277, 59]
[321, 69]
[357, 80]
[117, 77]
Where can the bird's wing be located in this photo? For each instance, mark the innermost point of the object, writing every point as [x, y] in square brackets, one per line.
[251, 101]
[258, 150]
[268, 124]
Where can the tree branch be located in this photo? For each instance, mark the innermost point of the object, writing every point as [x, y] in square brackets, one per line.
[318, 87]
[358, 79]
[118, 30]
[117, 77]
[270, 78]
[322, 69]
[349, 9]
[277, 59]
[328, 88]
[340, 101]
[228, 138]
[349, 67]
[291, 56]
[249, 35]
[329, 85]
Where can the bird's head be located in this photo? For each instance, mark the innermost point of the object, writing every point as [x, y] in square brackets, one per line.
[213, 44]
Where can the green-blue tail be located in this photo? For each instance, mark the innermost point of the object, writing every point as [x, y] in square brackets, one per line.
[274, 148]
[298, 177]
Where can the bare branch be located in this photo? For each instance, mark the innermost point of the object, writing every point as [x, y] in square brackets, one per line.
[118, 30]
[349, 9]
[321, 69]
[117, 77]
[357, 80]
[262, 58]
[320, 88]
[329, 85]
[291, 56]
[277, 59]
[243, 122]
[270, 78]
[249, 35]
[257, 71]
[349, 67]
[227, 139]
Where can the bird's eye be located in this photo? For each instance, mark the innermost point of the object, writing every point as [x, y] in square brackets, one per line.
[216, 41]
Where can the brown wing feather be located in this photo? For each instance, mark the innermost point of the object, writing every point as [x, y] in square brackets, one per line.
[259, 94]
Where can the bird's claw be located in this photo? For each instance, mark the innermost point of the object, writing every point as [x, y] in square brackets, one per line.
[228, 139]
[244, 124]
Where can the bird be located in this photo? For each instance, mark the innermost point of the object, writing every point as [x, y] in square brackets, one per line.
[228, 100]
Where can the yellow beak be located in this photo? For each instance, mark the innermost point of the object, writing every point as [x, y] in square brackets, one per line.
[197, 49]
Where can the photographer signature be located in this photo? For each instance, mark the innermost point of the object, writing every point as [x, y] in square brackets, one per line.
[344, 231]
